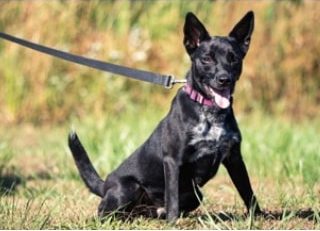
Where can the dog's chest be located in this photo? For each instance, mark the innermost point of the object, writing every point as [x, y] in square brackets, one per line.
[211, 138]
[206, 131]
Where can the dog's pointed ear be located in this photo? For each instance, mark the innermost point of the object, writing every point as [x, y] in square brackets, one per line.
[194, 33]
[242, 31]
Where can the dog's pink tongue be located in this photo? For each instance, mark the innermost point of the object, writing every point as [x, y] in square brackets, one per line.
[222, 99]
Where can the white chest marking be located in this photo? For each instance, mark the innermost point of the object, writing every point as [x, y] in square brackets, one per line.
[205, 131]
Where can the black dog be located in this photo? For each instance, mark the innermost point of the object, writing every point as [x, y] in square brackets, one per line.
[188, 145]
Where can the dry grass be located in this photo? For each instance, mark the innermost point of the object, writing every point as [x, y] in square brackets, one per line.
[66, 204]
[281, 74]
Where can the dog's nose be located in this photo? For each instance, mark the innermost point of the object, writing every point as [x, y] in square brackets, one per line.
[224, 80]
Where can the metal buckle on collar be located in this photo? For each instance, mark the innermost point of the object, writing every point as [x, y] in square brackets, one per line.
[171, 81]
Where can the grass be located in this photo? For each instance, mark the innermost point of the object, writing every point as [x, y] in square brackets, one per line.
[282, 159]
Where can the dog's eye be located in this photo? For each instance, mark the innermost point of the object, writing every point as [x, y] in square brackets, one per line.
[207, 60]
[231, 58]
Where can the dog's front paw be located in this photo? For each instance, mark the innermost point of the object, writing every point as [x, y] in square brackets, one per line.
[161, 213]
[256, 211]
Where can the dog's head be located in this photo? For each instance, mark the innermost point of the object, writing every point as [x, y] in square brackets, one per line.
[216, 60]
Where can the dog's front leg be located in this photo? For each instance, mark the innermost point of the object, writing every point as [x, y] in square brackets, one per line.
[171, 198]
[239, 176]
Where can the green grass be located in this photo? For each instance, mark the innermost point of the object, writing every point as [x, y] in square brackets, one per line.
[282, 159]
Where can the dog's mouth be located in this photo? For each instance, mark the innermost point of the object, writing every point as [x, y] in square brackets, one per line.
[221, 97]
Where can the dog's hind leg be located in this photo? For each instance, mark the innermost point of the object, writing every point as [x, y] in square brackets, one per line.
[191, 200]
[121, 197]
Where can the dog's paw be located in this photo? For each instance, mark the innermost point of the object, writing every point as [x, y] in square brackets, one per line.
[161, 213]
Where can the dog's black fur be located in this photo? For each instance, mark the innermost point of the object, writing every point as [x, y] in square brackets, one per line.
[185, 150]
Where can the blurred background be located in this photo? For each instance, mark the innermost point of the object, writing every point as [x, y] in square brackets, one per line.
[280, 76]
[276, 102]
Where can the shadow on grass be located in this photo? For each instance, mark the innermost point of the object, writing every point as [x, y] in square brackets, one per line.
[10, 179]
[307, 214]
[9, 183]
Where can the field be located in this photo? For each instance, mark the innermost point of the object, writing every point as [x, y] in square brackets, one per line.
[277, 103]
[45, 190]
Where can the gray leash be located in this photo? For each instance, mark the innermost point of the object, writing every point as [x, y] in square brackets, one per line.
[165, 80]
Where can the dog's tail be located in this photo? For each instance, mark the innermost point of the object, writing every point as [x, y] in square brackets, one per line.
[84, 165]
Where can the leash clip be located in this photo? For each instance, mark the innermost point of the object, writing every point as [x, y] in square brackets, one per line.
[171, 81]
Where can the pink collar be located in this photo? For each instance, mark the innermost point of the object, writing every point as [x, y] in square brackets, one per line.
[196, 96]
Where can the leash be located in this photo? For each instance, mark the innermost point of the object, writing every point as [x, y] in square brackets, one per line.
[166, 81]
